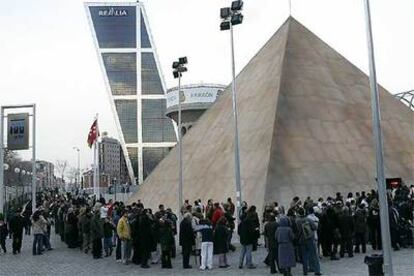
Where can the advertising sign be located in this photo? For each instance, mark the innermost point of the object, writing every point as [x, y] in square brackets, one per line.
[18, 131]
[193, 95]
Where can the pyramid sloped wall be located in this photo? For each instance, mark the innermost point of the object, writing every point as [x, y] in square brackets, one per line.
[208, 157]
[323, 136]
[304, 127]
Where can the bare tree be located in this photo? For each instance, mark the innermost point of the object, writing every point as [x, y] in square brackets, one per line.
[60, 167]
[72, 174]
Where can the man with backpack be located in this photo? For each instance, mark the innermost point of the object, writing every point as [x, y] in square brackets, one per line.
[306, 238]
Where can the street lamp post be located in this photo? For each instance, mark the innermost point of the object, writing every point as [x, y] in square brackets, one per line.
[78, 169]
[178, 69]
[376, 127]
[232, 16]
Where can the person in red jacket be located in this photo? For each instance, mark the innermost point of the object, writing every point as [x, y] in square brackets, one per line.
[217, 214]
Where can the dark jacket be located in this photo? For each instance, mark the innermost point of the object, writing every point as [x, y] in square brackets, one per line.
[346, 226]
[206, 231]
[16, 225]
[96, 227]
[221, 234]
[247, 232]
[360, 219]
[166, 237]
[186, 233]
[3, 231]
[269, 233]
[108, 229]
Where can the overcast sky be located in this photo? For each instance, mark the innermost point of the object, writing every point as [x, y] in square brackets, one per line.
[47, 55]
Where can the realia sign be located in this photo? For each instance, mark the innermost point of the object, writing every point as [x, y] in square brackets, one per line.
[113, 12]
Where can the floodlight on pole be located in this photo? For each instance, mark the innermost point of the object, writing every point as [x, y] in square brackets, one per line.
[179, 68]
[234, 17]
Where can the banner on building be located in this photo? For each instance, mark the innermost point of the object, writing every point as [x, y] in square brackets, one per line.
[18, 131]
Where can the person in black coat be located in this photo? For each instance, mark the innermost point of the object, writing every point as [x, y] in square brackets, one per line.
[270, 235]
[248, 237]
[186, 239]
[17, 224]
[145, 238]
[221, 245]
[3, 233]
[346, 228]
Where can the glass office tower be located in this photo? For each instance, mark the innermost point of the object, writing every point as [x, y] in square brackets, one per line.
[134, 83]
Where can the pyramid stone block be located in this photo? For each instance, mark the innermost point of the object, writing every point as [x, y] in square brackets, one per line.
[304, 128]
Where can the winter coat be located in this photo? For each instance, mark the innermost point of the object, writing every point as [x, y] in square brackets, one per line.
[166, 237]
[221, 234]
[284, 238]
[270, 234]
[217, 214]
[39, 226]
[124, 229]
[206, 231]
[108, 229]
[360, 219]
[346, 226]
[3, 230]
[247, 232]
[146, 238]
[17, 225]
[85, 224]
[186, 233]
[96, 227]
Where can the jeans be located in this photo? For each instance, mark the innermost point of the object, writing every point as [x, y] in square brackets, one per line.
[309, 256]
[37, 244]
[126, 251]
[46, 242]
[17, 242]
[246, 250]
[206, 255]
[108, 245]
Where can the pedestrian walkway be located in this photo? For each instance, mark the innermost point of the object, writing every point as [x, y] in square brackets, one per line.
[64, 261]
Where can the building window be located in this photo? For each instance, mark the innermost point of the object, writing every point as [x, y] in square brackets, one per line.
[121, 69]
[133, 156]
[115, 27]
[145, 41]
[127, 113]
[151, 82]
[151, 157]
[156, 127]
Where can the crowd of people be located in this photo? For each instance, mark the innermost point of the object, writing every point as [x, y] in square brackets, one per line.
[307, 231]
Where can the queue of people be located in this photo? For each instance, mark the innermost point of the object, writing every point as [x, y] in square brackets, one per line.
[308, 231]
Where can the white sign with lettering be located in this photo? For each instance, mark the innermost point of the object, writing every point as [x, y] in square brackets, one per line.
[193, 95]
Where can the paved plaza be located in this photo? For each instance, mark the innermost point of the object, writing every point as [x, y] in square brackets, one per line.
[64, 261]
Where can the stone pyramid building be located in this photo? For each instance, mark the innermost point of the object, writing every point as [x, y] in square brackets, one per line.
[304, 126]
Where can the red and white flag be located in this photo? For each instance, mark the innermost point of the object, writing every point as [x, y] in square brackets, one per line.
[93, 133]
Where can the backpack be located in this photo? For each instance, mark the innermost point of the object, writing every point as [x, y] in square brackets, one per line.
[307, 232]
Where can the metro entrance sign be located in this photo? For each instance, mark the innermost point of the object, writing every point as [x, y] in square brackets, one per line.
[17, 139]
[18, 131]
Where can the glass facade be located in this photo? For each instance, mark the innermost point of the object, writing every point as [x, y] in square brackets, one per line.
[151, 81]
[135, 83]
[121, 69]
[133, 156]
[127, 114]
[153, 156]
[156, 127]
[115, 26]
[145, 41]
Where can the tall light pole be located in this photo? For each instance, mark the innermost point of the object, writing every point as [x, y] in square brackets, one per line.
[232, 16]
[78, 170]
[376, 127]
[178, 69]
